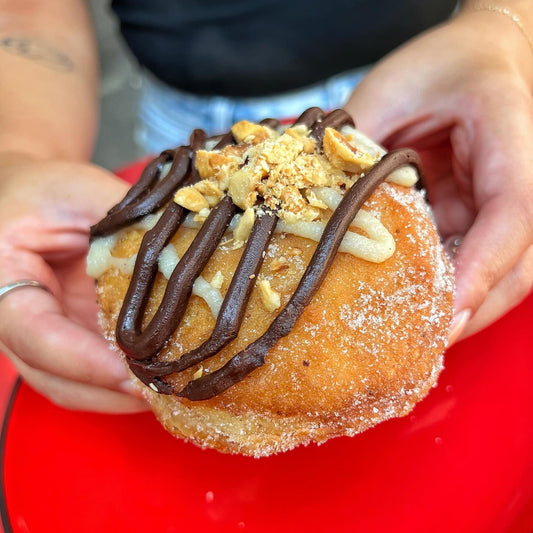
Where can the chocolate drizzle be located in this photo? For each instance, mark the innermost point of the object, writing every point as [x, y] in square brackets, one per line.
[232, 310]
[240, 365]
[336, 119]
[149, 194]
[146, 344]
[313, 116]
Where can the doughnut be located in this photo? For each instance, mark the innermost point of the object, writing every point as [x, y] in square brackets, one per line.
[275, 285]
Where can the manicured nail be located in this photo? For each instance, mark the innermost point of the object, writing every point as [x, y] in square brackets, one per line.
[458, 325]
[129, 387]
[452, 244]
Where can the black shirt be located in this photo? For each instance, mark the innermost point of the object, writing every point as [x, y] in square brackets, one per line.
[255, 47]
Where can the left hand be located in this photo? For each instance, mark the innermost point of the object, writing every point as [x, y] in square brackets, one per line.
[53, 339]
[460, 95]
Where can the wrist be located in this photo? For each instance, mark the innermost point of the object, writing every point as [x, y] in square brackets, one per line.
[497, 37]
[519, 21]
[508, 24]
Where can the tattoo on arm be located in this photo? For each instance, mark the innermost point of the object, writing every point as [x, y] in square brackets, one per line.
[38, 51]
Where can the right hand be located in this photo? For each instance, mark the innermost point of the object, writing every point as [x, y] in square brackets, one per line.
[53, 339]
[460, 95]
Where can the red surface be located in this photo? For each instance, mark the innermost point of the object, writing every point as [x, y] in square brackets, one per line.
[461, 462]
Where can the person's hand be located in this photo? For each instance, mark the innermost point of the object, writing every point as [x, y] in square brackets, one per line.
[461, 95]
[53, 338]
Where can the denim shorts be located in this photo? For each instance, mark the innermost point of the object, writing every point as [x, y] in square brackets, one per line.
[167, 116]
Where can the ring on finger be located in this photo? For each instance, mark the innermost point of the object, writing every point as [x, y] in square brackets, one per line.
[14, 285]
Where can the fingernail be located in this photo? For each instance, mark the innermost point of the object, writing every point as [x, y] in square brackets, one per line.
[458, 325]
[129, 387]
[452, 244]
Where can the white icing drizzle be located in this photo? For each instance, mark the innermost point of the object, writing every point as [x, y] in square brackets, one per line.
[99, 260]
[376, 248]
[189, 222]
[405, 175]
[212, 296]
[148, 222]
[164, 170]
[168, 259]
[211, 143]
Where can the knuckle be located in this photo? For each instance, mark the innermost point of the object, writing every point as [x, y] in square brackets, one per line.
[523, 275]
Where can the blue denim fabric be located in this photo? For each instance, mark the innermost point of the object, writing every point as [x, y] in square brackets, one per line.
[167, 115]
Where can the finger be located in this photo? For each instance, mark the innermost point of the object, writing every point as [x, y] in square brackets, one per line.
[450, 202]
[491, 248]
[503, 191]
[46, 340]
[508, 293]
[49, 209]
[78, 396]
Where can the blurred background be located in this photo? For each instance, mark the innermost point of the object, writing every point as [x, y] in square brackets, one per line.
[119, 88]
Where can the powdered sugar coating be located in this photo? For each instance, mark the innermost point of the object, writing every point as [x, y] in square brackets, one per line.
[366, 349]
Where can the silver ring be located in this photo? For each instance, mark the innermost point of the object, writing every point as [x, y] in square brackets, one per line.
[5, 289]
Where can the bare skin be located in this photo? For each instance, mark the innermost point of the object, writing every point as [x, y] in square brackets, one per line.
[49, 195]
[461, 94]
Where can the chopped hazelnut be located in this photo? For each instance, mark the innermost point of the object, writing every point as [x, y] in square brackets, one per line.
[210, 191]
[292, 199]
[308, 144]
[199, 373]
[217, 165]
[202, 215]
[343, 155]
[294, 251]
[314, 201]
[271, 299]
[250, 132]
[242, 188]
[278, 263]
[191, 199]
[244, 227]
[217, 280]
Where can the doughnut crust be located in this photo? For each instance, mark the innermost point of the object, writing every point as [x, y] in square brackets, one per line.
[367, 348]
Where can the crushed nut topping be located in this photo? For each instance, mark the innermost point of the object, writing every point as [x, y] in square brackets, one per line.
[343, 155]
[244, 227]
[250, 133]
[210, 191]
[281, 169]
[219, 165]
[278, 263]
[191, 199]
[217, 280]
[270, 298]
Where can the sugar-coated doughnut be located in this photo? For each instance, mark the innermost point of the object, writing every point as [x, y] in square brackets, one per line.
[275, 286]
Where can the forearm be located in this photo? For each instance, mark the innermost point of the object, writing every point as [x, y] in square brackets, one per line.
[48, 86]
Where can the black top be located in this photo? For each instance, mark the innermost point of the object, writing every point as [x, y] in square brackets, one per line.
[254, 47]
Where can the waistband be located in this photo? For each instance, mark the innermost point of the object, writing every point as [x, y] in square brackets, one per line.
[167, 115]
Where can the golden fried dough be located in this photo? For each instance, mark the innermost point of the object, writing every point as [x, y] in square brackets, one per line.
[367, 348]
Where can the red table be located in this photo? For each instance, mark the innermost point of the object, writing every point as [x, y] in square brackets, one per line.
[462, 461]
